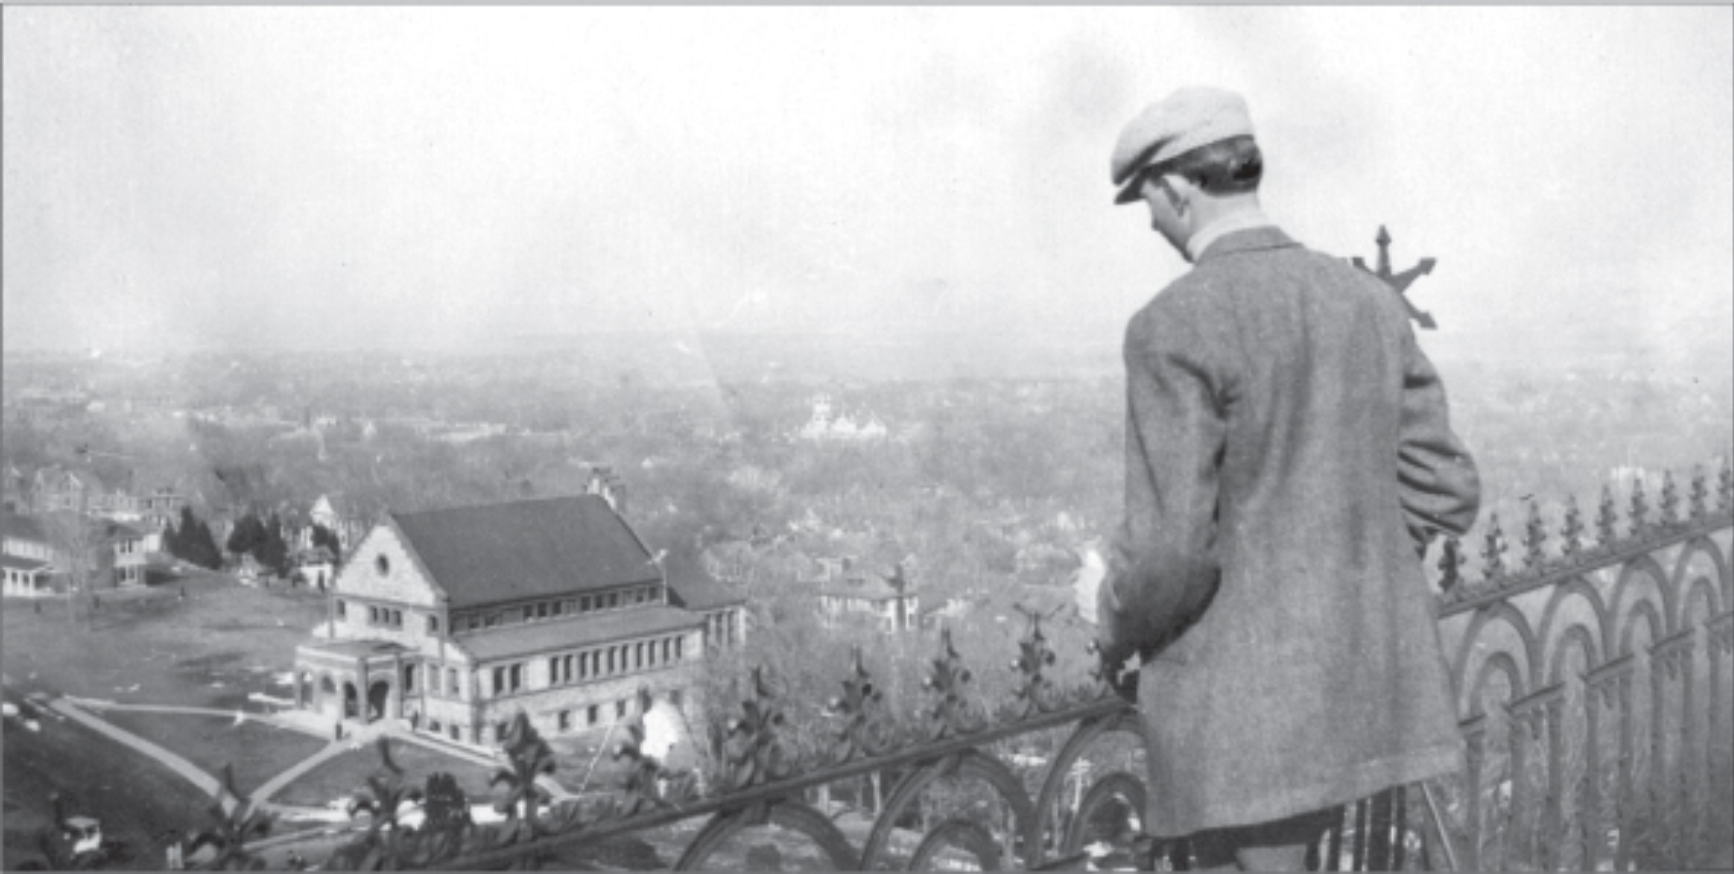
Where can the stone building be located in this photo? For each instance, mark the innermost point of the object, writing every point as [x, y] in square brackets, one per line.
[454, 620]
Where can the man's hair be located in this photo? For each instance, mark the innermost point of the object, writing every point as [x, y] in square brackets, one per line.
[1231, 166]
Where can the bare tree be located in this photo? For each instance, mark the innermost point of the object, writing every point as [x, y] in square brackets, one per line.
[77, 543]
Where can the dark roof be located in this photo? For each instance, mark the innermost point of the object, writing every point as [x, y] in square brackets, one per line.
[582, 630]
[526, 549]
[691, 587]
[20, 563]
[24, 527]
[869, 586]
[353, 648]
[113, 530]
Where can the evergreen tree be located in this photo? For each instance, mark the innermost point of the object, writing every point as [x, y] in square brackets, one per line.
[172, 537]
[191, 541]
[272, 550]
[204, 547]
[323, 536]
[248, 534]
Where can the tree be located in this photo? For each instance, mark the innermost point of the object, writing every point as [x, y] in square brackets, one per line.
[171, 539]
[78, 547]
[273, 551]
[323, 536]
[192, 541]
[248, 534]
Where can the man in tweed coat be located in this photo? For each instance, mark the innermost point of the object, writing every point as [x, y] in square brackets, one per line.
[1288, 457]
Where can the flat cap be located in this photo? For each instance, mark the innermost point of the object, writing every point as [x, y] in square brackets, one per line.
[1176, 124]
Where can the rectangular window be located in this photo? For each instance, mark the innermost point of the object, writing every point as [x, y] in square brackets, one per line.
[565, 720]
[493, 619]
[667, 647]
[613, 600]
[434, 726]
[638, 596]
[517, 678]
[397, 618]
[593, 714]
[542, 611]
[473, 622]
[677, 647]
[454, 732]
[620, 708]
[433, 625]
[499, 680]
[529, 613]
[452, 682]
[554, 670]
[555, 607]
[342, 609]
[569, 660]
[373, 615]
[584, 604]
[501, 730]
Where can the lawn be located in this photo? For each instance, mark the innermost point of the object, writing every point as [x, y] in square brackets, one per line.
[346, 774]
[136, 798]
[258, 751]
[220, 644]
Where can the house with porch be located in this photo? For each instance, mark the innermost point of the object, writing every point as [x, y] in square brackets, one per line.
[454, 620]
[34, 556]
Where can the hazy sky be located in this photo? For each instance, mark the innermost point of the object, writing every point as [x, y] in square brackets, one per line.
[350, 177]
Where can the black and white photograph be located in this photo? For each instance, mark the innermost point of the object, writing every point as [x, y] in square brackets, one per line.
[821, 438]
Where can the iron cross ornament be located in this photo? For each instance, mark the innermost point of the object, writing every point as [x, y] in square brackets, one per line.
[1400, 282]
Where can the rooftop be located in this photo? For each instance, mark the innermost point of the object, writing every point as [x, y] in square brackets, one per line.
[578, 631]
[353, 648]
[526, 549]
[19, 563]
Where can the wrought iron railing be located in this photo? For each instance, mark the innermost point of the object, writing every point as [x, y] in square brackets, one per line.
[1592, 676]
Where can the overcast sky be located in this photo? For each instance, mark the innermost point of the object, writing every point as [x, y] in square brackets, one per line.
[321, 176]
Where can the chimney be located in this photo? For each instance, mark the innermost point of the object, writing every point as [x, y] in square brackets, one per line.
[612, 488]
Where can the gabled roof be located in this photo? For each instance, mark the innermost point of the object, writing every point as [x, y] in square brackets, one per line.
[520, 550]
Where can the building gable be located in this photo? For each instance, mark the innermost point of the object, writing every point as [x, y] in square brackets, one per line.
[384, 567]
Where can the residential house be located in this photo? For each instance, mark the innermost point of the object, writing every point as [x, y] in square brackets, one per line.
[455, 620]
[847, 588]
[33, 557]
[314, 566]
[14, 490]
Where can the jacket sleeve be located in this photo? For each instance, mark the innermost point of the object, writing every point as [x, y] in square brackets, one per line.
[1439, 485]
[1162, 565]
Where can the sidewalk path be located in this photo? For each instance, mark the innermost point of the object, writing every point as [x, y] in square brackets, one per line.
[294, 772]
[193, 773]
[103, 704]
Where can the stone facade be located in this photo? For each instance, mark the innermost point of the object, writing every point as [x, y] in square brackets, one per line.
[396, 644]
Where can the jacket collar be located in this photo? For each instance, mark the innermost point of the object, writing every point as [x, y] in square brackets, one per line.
[1249, 240]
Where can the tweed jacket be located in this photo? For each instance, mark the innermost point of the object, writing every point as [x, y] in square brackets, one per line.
[1288, 454]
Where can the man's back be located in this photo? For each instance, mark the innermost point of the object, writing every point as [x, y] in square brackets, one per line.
[1274, 396]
